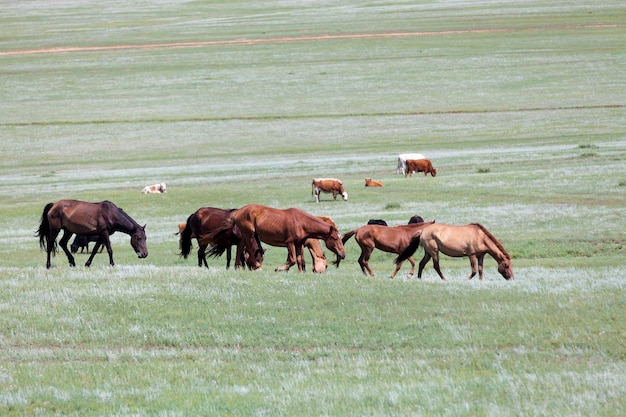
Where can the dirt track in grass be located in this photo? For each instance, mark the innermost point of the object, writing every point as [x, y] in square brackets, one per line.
[304, 38]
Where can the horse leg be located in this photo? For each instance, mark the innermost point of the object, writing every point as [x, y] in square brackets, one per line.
[202, 255]
[229, 256]
[436, 265]
[300, 258]
[422, 264]
[481, 258]
[398, 266]
[291, 258]
[366, 252]
[63, 243]
[104, 240]
[472, 259]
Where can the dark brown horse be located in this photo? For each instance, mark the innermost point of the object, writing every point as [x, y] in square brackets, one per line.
[473, 241]
[288, 228]
[392, 239]
[83, 218]
[201, 224]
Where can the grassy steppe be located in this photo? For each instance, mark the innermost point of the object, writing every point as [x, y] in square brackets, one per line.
[520, 106]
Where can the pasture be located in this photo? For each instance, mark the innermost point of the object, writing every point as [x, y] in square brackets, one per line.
[518, 104]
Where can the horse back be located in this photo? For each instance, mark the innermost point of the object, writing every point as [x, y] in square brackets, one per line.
[76, 216]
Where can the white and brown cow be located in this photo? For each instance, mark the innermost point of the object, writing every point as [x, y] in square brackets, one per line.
[328, 185]
[403, 157]
[155, 189]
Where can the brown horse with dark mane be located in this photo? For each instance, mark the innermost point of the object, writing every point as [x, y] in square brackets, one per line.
[288, 228]
[83, 218]
[392, 239]
[201, 224]
[473, 241]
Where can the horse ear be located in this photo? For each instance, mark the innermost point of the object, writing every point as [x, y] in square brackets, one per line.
[144, 226]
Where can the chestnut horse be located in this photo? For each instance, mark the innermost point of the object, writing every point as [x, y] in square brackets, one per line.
[83, 218]
[201, 223]
[391, 239]
[473, 240]
[288, 228]
[320, 265]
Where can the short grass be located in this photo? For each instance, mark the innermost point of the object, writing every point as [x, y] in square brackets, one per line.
[520, 106]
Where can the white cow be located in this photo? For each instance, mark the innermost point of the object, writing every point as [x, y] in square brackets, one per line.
[402, 158]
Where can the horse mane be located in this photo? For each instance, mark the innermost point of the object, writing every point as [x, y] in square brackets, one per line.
[493, 238]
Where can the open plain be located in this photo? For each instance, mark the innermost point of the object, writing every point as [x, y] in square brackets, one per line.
[520, 105]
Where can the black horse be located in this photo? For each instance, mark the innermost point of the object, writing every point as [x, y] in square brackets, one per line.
[83, 218]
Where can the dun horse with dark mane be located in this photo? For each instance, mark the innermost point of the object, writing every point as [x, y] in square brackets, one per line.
[83, 218]
[473, 241]
[288, 228]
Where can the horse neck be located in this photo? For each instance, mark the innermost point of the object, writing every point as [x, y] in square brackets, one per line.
[122, 222]
[319, 230]
[493, 249]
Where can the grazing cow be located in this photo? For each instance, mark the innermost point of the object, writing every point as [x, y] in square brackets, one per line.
[419, 165]
[82, 242]
[379, 222]
[403, 157]
[328, 185]
[155, 189]
[371, 183]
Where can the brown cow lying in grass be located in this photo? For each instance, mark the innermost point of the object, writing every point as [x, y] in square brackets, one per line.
[371, 183]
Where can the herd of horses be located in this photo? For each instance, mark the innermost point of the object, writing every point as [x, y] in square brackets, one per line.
[248, 227]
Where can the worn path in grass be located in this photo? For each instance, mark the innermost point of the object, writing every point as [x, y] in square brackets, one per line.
[306, 38]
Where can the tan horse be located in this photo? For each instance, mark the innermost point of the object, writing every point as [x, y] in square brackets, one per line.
[83, 218]
[473, 241]
[288, 228]
[393, 239]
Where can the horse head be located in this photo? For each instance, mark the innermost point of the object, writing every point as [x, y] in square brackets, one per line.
[505, 268]
[138, 241]
[334, 243]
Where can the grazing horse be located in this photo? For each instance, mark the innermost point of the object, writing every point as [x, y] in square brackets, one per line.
[391, 239]
[201, 223]
[83, 218]
[473, 241]
[416, 219]
[320, 265]
[288, 228]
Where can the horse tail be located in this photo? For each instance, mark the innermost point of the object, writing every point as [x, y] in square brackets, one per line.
[44, 230]
[348, 235]
[409, 250]
[221, 234]
[185, 237]
[217, 250]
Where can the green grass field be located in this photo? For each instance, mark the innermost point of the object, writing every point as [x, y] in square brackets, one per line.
[519, 105]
